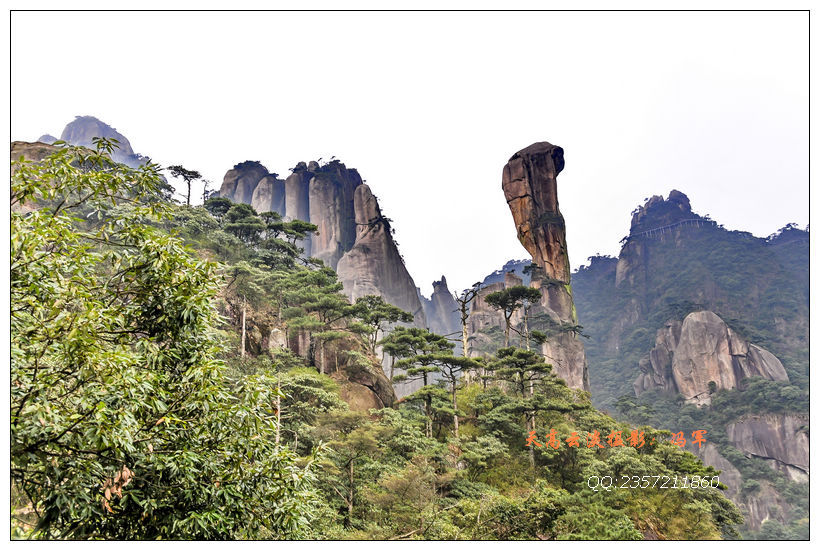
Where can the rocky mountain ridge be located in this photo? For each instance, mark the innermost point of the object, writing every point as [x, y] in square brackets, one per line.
[353, 236]
[689, 309]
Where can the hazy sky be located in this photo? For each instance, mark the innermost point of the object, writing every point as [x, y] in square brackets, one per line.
[429, 107]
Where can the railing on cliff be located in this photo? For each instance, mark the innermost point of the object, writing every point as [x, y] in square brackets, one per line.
[697, 222]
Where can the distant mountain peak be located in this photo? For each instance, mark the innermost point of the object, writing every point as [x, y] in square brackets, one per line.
[84, 128]
[657, 212]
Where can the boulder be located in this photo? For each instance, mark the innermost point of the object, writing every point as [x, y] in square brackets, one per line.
[688, 356]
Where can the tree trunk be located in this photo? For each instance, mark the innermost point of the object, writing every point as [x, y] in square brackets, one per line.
[465, 351]
[506, 332]
[392, 363]
[188, 200]
[321, 357]
[278, 407]
[527, 329]
[350, 497]
[455, 411]
[428, 409]
[531, 423]
[428, 429]
[242, 349]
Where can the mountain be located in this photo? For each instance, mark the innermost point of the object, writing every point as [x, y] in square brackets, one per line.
[441, 311]
[82, 131]
[273, 363]
[674, 262]
[696, 327]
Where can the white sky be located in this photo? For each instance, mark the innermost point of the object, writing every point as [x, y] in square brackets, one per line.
[429, 107]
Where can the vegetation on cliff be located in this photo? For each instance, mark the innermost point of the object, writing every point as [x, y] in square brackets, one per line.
[759, 287]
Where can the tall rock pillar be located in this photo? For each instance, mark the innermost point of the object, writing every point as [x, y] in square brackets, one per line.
[530, 186]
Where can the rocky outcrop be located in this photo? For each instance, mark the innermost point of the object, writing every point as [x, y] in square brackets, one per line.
[269, 195]
[363, 384]
[331, 208]
[31, 151]
[515, 266]
[240, 182]
[322, 195]
[703, 352]
[763, 504]
[441, 310]
[530, 187]
[657, 218]
[780, 439]
[83, 130]
[757, 504]
[729, 475]
[374, 266]
[352, 236]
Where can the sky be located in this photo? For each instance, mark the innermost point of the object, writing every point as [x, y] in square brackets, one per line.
[430, 106]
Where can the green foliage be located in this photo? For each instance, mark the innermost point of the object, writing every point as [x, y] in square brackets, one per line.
[509, 300]
[124, 423]
[218, 206]
[375, 314]
[178, 171]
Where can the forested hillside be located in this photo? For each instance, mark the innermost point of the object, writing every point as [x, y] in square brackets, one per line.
[185, 372]
[675, 263]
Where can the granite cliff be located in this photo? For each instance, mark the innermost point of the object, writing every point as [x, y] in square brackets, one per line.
[441, 311]
[701, 355]
[782, 440]
[353, 236]
[485, 322]
[529, 181]
[373, 266]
